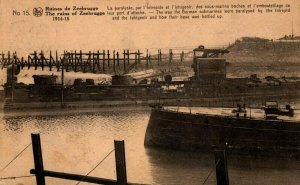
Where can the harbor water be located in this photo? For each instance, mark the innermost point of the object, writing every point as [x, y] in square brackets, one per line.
[75, 142]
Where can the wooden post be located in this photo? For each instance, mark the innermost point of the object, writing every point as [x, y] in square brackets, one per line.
[50, 61]
[103, 64]
[3, 61]
[135, 60]
[124, 61]
[15, 58]
[108, 59]
[93, 62]
[22, 63]
[120, 162]
[29, 60]
[139, 57]
[84, 64]
[38, 159]
[56, 61]
[12, 77]
[80, 60]
[74, 61]
[118, 59]
[221, 167]
[42, 60]
[62, 81]
[128, 54]
[70, 57]
[158, 57]
[147, 59]
[66, 58]
[114, 61]
[35, 60]
[98, 60]
[182, 57]
[170, 56]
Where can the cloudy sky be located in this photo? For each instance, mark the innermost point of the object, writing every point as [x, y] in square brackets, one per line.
[28, 33]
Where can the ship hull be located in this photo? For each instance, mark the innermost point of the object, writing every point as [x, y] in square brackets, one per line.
[44, 97]
[196, 132]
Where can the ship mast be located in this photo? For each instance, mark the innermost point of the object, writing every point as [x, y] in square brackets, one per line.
[292, 27]
[12, 81]
[62, 79]
[293, 22]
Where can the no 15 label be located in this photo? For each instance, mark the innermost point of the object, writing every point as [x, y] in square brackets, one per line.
[19, 13]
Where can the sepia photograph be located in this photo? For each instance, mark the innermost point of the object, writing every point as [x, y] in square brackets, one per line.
[146, 92]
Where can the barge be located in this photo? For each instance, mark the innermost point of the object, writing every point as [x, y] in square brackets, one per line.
[247, 131]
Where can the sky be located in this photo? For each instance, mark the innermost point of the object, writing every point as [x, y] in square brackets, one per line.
[25, 34]
[28, 33]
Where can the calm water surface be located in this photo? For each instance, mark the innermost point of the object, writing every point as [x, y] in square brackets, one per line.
[75, 142]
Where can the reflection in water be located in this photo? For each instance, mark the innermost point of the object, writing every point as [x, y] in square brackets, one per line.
[75, 142]
[178, 167]
[175, 167]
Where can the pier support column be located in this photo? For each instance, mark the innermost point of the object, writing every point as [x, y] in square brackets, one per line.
[38, 159]
[120, 162]
[221, 167]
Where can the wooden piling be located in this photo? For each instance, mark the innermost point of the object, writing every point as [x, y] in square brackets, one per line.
[221, 167]
[22, 63]
[38, 159]
[66, 61]
[42, 60]
[108, 59]
[12, 81]
[74, 60]
[94, 58]
[182, 57]
[124, 61]
[135, 61]
[35, 60]
[29, 60]
[114, 61]
[87, 61]
[90, 61]
[98, 60]
[170, 56]
[80, 61]
[128, 57]
[50, 61]
[158, 57]
[150, 62]
[118, 59]
[147, 59]
[138, 58]
[93, 62]
[56, 61]
[103, 64]
[120, 162]
[62, 83]
[3, 62]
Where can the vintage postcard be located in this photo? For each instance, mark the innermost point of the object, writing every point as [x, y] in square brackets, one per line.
[149, 92]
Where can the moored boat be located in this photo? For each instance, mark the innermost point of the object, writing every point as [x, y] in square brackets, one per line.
[241, 130]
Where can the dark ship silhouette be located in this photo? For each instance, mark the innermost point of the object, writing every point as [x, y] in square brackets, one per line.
[208, 87]
[273, 132]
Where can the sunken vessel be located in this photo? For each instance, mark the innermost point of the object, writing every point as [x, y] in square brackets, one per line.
[209, 86]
